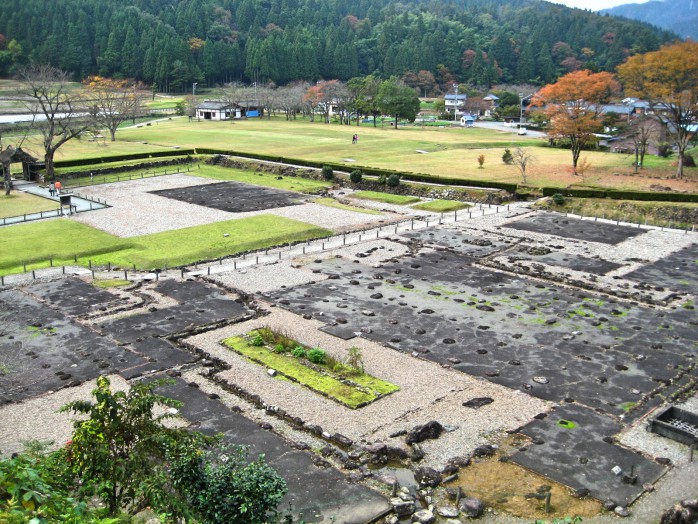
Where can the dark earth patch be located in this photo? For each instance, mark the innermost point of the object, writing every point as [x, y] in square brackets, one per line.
[568, 446]
[677, 271]
[459, 241]
[233, 197]
[567, 227]
[595, 266]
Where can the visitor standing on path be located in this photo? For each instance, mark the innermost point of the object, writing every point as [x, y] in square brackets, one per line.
[52, 189]
[58, 187]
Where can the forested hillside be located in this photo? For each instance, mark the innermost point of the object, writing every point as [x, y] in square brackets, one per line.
[174, 43]
[680, 16]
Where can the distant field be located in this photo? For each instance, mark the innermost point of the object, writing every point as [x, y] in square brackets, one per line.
[439, 151]
[451, 152]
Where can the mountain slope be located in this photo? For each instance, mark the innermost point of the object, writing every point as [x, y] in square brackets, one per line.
[173, 43]
[679, 16]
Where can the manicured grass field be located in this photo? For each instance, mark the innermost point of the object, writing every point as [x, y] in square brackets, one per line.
[59, 239]
[387, 198]
[18, 203]
[331, 202]
[63, 240]
[366, 390]
[442, 206]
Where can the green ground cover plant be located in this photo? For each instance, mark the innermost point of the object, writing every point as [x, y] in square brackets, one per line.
[331, 202]
[17, 203]
[387, 198]
[442, 206]
[68, 242]
[348, 385]
[676, 214]
[112, 282]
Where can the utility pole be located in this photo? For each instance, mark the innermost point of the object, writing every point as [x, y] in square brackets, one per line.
[455, 106]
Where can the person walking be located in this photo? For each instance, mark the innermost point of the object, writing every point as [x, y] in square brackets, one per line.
[58, 187]
[52, 189]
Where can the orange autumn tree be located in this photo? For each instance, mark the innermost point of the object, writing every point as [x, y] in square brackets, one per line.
[573, 107]
[668, 79]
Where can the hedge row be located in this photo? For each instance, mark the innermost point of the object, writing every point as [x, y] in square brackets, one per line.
[122, 158]
[620, 194]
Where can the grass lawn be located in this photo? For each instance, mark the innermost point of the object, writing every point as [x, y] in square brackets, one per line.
[331, 202]
[364, 390]
[442, 206]
[18, 203]
[63, 240]
[387, 198]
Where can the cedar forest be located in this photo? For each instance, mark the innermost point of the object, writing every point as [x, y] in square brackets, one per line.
[171, 44]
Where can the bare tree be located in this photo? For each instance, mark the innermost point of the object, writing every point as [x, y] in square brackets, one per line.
[522, 159]
[59, 112]
[113, 102]
[643, 131]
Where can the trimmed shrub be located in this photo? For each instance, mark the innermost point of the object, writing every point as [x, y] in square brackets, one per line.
[393, 180]
[327, 173]
[356, 176]
[507, 157]
[558, 199]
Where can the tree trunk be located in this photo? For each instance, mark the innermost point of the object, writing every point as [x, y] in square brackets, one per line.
[396, 117]
[50, 171]
[7, 179]
[112, 132]
[576, 150]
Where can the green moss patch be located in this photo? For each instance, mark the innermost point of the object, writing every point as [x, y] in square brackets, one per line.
[354, 390]
[112, 282]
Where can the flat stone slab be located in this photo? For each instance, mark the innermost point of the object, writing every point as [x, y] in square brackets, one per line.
[676, 271]
[233, 197]
[568, 227]
[459, 241]
[317, 493]
[568, 446]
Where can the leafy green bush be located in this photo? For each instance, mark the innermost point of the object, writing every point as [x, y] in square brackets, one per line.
[317, 356]
[257, 340]
[356, 176]
[393, 180]
[327, 173]
[299, 352]
[382, 179]
[558, 199]
[279, 348]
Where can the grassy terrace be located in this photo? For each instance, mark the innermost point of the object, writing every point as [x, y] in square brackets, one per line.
[442, 206]
[331, 202]
[64, 241]
[354, 391]
[17, 203]
[386, 198]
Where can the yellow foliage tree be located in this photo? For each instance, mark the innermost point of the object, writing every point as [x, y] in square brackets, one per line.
[668, 79]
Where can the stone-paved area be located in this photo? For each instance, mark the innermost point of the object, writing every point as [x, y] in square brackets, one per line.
[608, 360]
